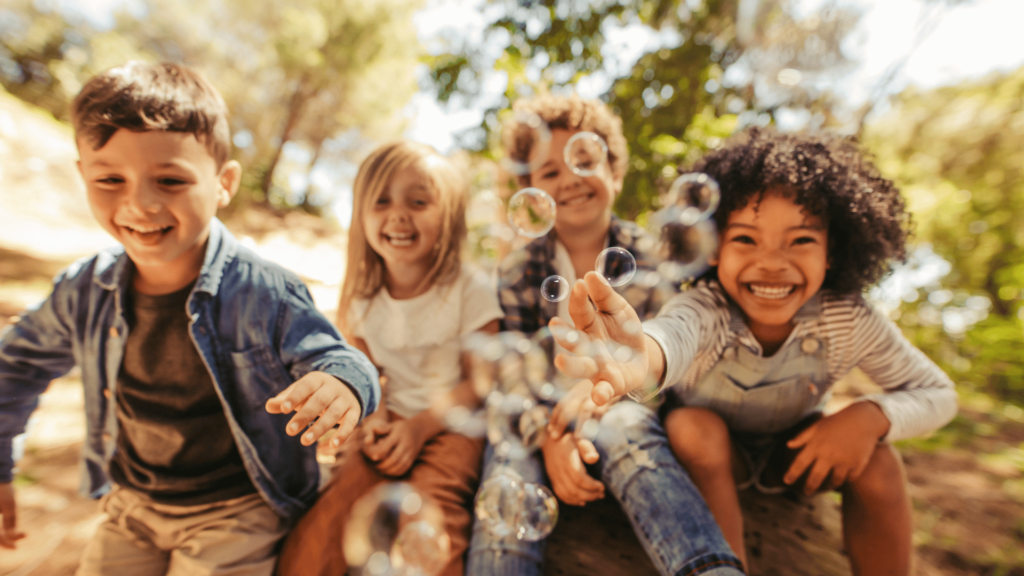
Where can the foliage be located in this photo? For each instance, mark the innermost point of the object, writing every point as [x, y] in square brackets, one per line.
[958, 154]
[319, 76]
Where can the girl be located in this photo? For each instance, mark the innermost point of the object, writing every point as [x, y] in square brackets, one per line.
[406, 302]
[750, 353]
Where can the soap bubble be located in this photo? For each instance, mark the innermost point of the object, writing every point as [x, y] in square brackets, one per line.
[499, 502]
[531, 212]
[527, 131]
[684, 251]
[616, 265]
[538, 513]
[394, 530]
[584, 153]
[532, 423]
[554, 288]
[693, 197]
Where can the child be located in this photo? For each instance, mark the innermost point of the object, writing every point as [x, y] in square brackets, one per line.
[806, 224]
[181, 335]
[634, 459]
[407, 300]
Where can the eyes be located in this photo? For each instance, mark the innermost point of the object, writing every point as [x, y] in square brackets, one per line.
[166, 182]
[801, 240]
[414, 202]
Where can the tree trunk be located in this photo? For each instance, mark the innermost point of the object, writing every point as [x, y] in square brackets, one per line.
[295, 107]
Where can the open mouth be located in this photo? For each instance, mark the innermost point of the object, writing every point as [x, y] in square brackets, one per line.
[148, 234]
[770, 291]
[577, 199]
[401, 240]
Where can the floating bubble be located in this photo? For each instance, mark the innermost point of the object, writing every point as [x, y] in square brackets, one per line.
[538, 512]
[584, 153]
[528, 139]
[693, 197]
[531, 212]
[394, 531]
[616, 265]
[499, 502]
[684, 251]
[589, 429]
[554, 288]
[532, 423]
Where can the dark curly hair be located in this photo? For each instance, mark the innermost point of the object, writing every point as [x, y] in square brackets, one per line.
[831, 178]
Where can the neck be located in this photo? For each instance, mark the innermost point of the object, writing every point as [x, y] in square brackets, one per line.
[584, 245]
[771, 336]
[157, 281]
[405, 281]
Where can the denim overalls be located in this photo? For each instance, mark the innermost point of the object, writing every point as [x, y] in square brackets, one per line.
[760, 397]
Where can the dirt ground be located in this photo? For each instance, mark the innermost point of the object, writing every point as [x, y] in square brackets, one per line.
[966, 482]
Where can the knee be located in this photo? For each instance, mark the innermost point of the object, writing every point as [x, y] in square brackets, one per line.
[883, 478]
[698, 437]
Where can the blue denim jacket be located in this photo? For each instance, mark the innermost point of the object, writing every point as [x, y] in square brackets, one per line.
[255, 327]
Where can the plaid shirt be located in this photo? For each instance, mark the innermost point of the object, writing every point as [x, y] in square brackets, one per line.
[521, 273]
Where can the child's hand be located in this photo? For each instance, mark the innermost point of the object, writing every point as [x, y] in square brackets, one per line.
[607, 332]
[841, 444]
[398, 448]
[578, 406]
[9, 529]
[319, 396]
[569, 478]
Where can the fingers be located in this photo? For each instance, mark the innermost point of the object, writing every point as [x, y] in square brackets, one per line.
[381, 448]
[603, 393]
[398, 462]
[576, 366]
[346, 426]
[604, 297]
[580, 309]
[588, 453]
[277, 404]
[803, 437]
[803, 460]
[818, 473]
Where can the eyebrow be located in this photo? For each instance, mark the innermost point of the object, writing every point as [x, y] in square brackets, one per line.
[790, 229]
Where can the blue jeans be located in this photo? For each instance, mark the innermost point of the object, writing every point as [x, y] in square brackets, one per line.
[668, 514]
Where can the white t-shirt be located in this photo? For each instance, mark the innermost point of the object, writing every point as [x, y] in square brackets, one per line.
[418, 340]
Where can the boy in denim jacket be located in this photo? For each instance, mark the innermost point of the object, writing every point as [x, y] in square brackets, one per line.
[182, 335]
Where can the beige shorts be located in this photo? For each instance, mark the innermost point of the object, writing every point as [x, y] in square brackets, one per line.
[142, 538]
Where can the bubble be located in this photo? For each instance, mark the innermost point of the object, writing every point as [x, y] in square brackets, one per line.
[589, 429]
[499, 502]
[538, 512]
[393, 530]
[531, 212]
[616, 265]
[527, 131]
[532, 423]
[584, 153]
[684, 251]
[554, 288]
[693, 197]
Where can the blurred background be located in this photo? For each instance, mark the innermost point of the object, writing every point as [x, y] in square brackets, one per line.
[934, 89]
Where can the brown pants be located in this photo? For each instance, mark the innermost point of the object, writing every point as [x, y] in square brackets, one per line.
[447, 470]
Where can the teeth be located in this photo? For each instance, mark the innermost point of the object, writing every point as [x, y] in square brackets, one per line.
[147, 230]
[400, 239]
[576, 200]
[771, 292]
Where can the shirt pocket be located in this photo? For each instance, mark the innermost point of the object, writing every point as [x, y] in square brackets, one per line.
[260, 375]
[775, 406]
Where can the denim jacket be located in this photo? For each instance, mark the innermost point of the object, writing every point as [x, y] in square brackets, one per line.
[255, 327]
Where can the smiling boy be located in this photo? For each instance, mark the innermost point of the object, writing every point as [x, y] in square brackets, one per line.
[182, 335]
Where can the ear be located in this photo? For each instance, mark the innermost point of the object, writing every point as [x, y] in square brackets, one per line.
[617, 182]
[229, 178]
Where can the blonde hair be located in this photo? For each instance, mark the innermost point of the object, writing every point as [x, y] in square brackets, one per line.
[364, 274]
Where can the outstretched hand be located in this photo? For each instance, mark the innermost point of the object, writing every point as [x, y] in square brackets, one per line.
[608, 345]
[321, 397]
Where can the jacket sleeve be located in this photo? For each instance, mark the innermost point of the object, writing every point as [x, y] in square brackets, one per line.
[33, 351]
[308, 342]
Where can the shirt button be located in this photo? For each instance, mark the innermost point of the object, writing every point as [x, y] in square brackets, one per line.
[813, 389]
[106, 393]
[113, 332]
[107, 437]
[809, 345]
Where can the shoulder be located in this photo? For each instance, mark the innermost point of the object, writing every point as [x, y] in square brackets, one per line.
[247, 273]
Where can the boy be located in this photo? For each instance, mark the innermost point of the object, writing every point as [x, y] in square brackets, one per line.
[182, 335]
[633, 454]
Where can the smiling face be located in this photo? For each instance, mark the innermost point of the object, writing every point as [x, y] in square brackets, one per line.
[772, 259]
[404, 224]
[155, 193]
[584, 202]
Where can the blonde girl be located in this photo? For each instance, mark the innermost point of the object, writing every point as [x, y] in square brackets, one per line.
[407, 300]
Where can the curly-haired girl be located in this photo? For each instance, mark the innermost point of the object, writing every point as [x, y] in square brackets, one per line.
[750, 353]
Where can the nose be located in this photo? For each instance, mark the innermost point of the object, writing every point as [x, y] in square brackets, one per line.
[143, 197]
[772, 260]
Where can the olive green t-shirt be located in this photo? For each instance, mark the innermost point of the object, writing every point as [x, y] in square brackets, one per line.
[174, 444]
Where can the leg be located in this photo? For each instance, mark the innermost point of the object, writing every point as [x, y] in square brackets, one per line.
[236, 537]
[490, 555]
[314, 546]
[668, 513]
[700, 440]
[448, 470]
[121, 544]
[877, 525]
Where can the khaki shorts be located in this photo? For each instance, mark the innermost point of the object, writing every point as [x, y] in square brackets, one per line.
[237, 537]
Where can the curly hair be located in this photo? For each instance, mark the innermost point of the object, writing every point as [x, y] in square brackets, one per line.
[831, 178]
[567, 113]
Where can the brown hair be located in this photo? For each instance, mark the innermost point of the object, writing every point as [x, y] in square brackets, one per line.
[364, 273]
[144, 97]
[567, 113]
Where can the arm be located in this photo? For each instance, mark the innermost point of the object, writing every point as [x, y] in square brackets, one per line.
[335, 383]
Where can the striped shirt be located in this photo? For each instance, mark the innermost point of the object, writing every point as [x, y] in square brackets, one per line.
[694, 328]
